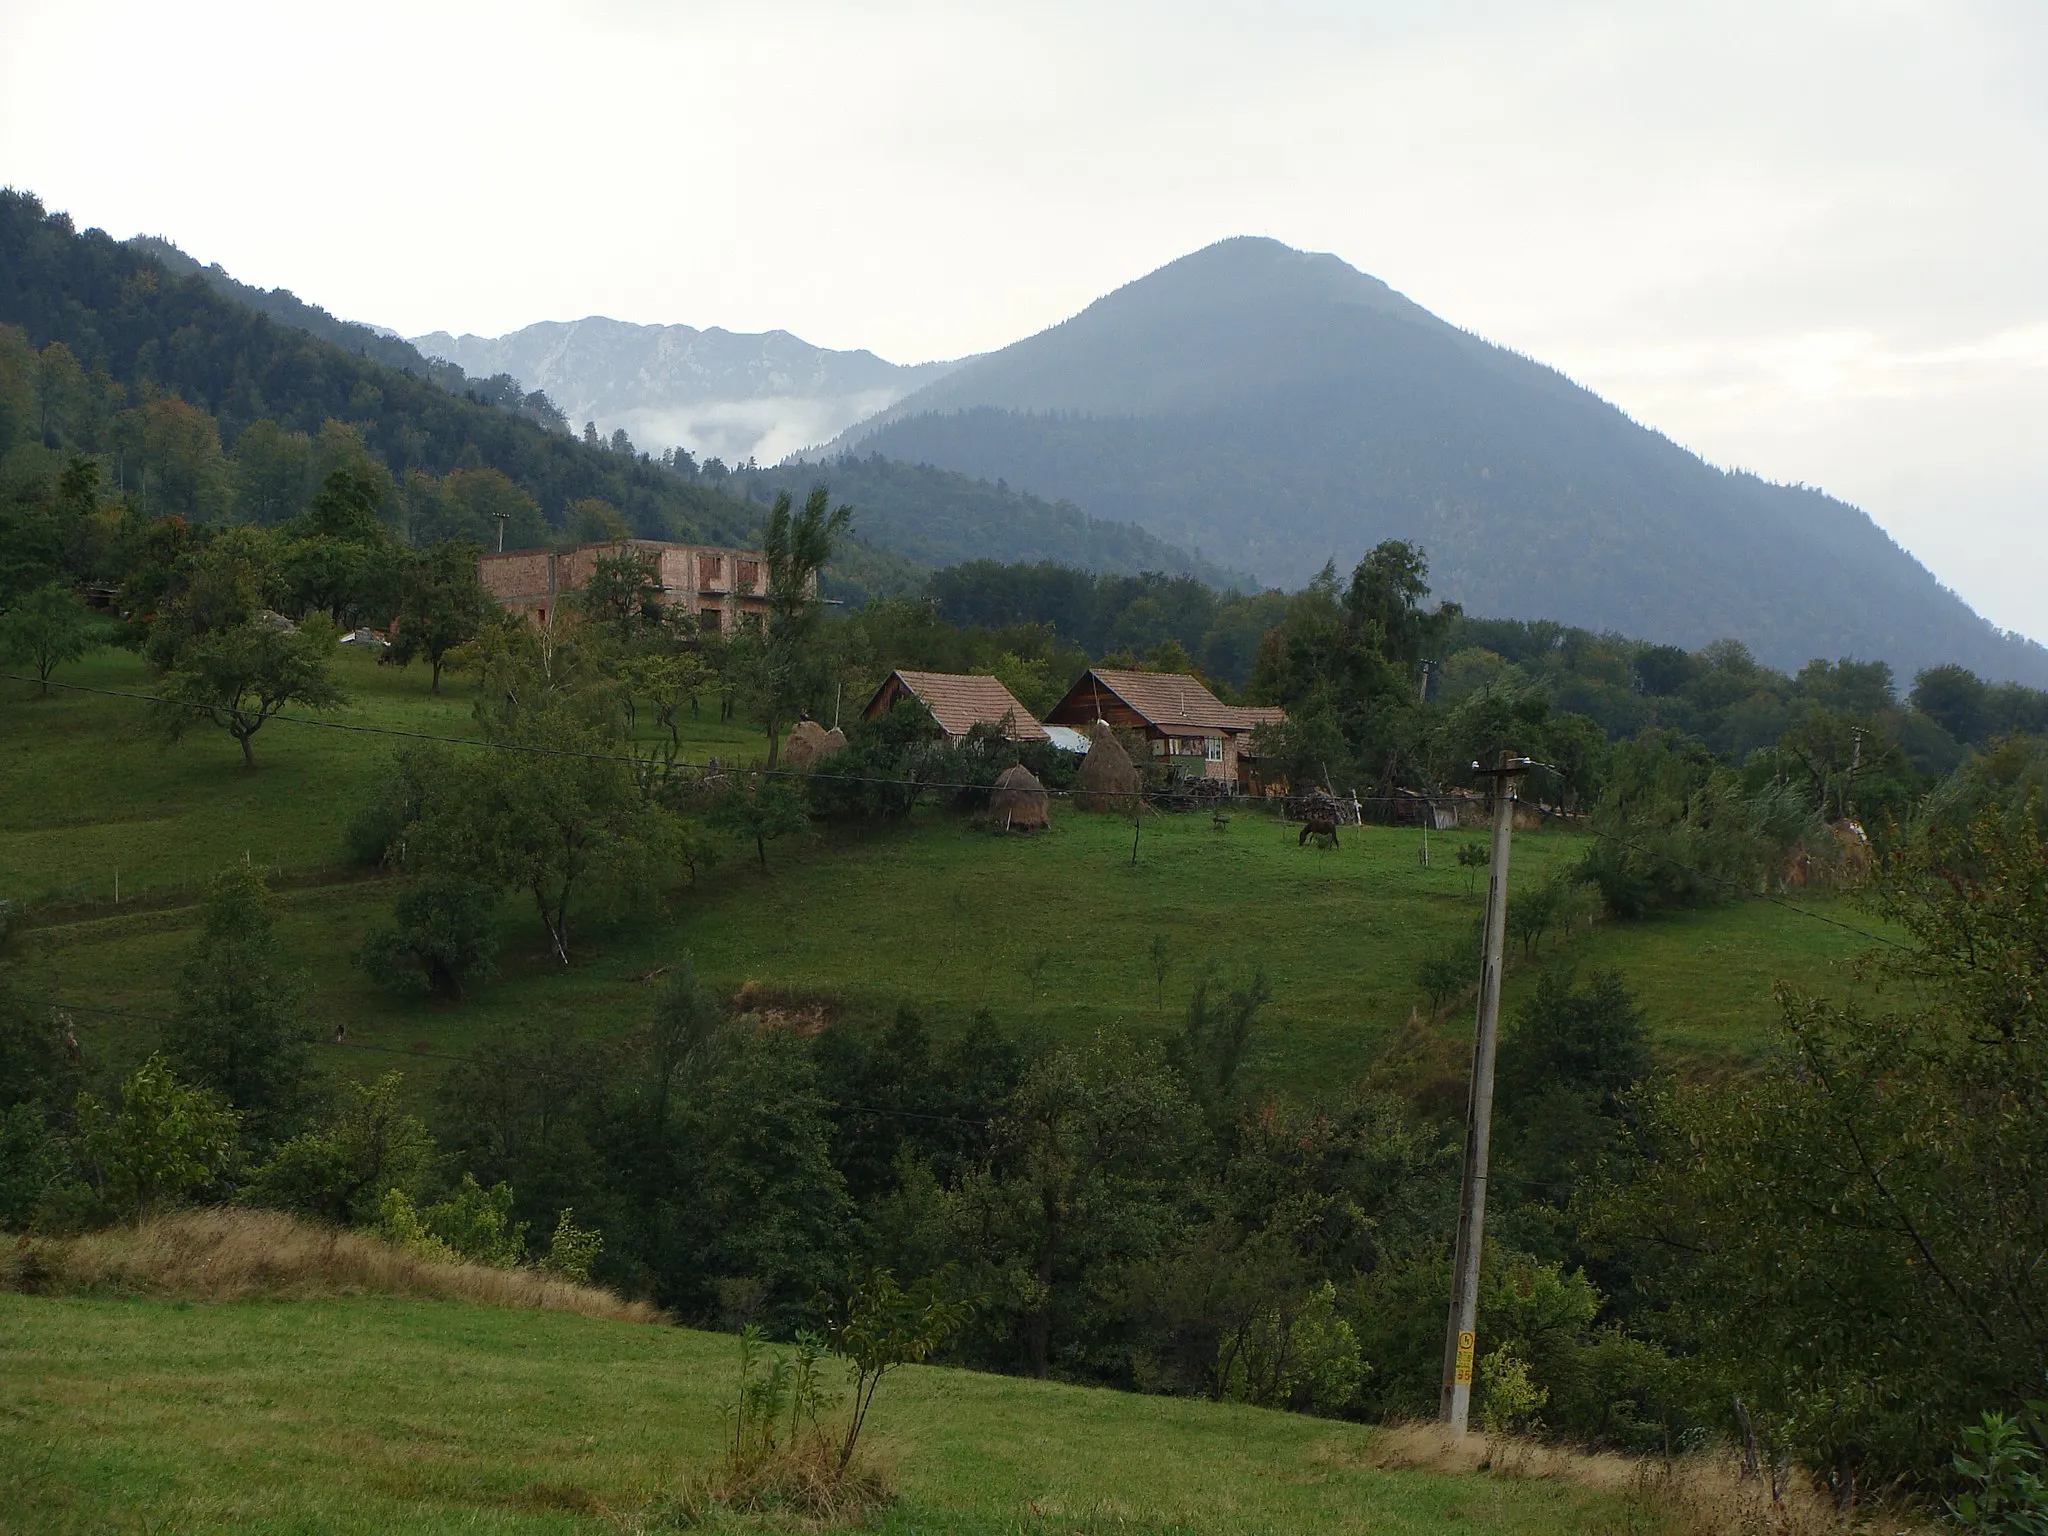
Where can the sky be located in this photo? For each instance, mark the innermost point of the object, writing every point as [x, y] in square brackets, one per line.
[1807, 237]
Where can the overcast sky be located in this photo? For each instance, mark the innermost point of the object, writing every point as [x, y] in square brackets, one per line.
[1807, 239]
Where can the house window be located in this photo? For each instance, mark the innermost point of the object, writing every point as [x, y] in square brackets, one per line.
[1159, 746]
[1215, 749]
[710, 570]
[710, 616]
[749, 575]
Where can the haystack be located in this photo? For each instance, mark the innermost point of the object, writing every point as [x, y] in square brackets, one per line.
[809, 744]
[1019, 802]
[1109, 781]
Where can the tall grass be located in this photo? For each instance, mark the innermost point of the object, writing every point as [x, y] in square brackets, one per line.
[1701, 1494]
[235, 1255]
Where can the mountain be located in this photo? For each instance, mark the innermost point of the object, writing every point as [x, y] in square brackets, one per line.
[157, 333]
[1276, 408]
[724, 394]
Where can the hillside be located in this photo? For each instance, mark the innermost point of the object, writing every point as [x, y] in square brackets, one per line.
[719, 393]
[382, 1415]
[106, 839]
[1275, 409]
[152, 331]
[287, 308]
[941, 518]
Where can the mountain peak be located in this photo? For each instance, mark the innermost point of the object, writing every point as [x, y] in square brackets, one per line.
[1276, 408]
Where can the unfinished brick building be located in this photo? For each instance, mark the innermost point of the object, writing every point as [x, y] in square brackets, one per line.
[719, 586]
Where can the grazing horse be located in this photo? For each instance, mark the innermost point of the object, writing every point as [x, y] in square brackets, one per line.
[1319, 820]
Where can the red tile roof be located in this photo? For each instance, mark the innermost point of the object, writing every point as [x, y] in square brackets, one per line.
[1173, 699]
[959, 702]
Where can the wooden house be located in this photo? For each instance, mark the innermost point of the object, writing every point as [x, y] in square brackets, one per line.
[958, 703]
[1187, 726]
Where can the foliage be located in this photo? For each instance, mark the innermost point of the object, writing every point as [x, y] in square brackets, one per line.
[1863, 1222]
[2009, 1497]
[165, 1141]
[442, 937]
[1508, 1400]
[441, 605]
[783, 655]
[572, 1250]
[473, 1224]
[882, 1325]
[239, 1025]
[341, 1171]
[1212, 1042]
[554, 812]
[46, 628]
[761, 808]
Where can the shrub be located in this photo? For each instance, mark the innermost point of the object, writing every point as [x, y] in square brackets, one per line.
[442, 938]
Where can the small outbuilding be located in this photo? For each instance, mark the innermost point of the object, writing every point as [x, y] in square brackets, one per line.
[1109, 779]
[1019, 803]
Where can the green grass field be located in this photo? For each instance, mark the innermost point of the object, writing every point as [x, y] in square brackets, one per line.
[1052, 933]
[380, 1415]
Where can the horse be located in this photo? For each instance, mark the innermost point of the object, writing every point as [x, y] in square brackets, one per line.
[1319, 820]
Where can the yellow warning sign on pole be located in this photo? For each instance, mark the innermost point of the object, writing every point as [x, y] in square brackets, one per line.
[1466, 1340]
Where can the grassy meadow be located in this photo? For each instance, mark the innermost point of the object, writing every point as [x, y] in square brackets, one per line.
[374, 1415]
[1052, 934]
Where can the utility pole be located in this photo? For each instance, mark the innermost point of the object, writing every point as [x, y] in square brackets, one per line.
[1460, 1335]
[503, 518]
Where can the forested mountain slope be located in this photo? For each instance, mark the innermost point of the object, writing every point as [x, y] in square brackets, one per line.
[941, 518]
[1274, 408]
[155, 333]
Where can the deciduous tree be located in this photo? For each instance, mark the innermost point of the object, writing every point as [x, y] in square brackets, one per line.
[46, 628]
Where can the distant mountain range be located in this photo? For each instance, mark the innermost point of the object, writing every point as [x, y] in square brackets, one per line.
[722, 394]
[1276, 409]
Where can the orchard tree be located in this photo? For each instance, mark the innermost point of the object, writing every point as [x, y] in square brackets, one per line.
[441, 605]
[47, 628]
[239, 678]
[761, 810]
[224, 658]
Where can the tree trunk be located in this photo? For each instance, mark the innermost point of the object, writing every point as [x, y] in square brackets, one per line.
[435, 663]
[248, 750]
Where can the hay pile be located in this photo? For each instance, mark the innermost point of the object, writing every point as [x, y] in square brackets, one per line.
[809, 744]
[1019, 802]
[1109, 780]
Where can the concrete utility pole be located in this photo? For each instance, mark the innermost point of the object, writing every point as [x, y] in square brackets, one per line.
[1460, 1336]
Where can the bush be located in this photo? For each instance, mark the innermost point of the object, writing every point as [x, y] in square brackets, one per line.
[474, 1224]
[2009, 1497]
[442, 938]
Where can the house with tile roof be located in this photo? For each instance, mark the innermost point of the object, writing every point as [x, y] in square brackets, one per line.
[1188, 727]
[958, 702]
